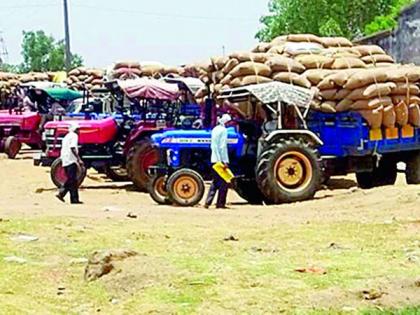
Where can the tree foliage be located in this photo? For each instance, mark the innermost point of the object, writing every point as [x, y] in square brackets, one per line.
[348, 18]
[43, 53]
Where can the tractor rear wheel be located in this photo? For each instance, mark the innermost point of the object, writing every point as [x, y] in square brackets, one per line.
[12, 147]
[412, 169]
[185, 188]
[140, 157]
[157, 190]
[248, 190]
[383, 175]
[289, 171]
[116, 173]
[58, 174]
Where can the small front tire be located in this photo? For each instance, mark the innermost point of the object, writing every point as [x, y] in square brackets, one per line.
[185, 188]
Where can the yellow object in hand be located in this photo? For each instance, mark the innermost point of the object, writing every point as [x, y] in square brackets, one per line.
[224, 172]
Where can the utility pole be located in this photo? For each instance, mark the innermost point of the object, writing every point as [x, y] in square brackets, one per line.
[67, 36]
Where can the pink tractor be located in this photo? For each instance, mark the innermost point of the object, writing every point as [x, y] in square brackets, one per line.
[20, 125]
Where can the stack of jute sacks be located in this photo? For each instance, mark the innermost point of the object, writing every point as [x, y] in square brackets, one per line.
[82, 78]
[124, 70]
[345, 77]
[9, 81]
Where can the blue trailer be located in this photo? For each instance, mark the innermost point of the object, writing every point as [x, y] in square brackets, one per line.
[286, 158]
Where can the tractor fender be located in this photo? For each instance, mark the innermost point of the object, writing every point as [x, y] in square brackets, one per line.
[307, 135]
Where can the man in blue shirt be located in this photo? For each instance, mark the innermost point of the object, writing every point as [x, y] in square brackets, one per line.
[219, 153]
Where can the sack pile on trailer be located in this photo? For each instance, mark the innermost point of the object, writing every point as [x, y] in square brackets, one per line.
[81, 77]
[124, 70]
[9, 81]
[346, 77]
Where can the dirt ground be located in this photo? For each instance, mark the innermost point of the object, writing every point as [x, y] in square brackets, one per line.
[28, 191]
[340, 216]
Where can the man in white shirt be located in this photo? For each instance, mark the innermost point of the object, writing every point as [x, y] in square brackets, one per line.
[71, 161]
[219, 153]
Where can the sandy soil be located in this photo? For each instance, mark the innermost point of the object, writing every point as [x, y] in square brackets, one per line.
[28, 191]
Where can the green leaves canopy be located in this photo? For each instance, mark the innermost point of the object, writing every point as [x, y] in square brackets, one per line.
[348, 18]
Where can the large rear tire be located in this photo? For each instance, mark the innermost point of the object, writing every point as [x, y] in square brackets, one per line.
[158, 191]
[116, 173]
[140, 157]
[185, 188]
[12, 147]
[383, 175]
[412, 170]
[289, 171]
[59, 177]
[248, 190]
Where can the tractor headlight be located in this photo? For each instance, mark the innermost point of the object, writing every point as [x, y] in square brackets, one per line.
[49, 132]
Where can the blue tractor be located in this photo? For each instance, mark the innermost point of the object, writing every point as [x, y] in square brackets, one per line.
[288, 156]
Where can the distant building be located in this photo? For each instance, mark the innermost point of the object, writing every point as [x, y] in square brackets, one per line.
[403, 43]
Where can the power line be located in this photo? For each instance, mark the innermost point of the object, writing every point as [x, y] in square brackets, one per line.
[145, 13]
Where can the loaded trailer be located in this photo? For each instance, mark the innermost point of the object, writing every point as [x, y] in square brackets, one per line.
[288, 156]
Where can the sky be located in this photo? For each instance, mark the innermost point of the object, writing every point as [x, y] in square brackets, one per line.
[171, 32]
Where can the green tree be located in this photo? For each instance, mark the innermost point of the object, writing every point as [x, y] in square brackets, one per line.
[43, 53]
[348, 18]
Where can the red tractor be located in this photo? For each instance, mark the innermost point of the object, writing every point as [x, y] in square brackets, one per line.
[20, 125]
[145, 107]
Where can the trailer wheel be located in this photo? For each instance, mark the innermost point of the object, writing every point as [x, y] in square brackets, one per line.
[12, 147]
[383, 175]
[412, 170]
[116, 173]
[140, 157]
[185, 188]
[289, 171]
[248, 189]
[157, 190]
[59, 177]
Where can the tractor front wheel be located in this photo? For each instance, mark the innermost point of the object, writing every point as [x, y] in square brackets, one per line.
[289, 171]
[59, 176]
[185, 188]
[12, 147]
[157, 190]
[140, 157]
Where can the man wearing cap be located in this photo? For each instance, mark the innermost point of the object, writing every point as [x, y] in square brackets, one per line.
[219, 153]
[71, 161]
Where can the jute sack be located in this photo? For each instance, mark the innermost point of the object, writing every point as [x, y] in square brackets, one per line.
[151, 70]
[226, 80]
[75, 72]
[250, 68]
[404, 88]
[401, 110]
[366, 50]
[328, 107]
[254, 79]
[262, 47]
[219, 62]
[292, 78]
[316, 75]
[344, 105]
[339, 78]
[389, 117]
[276, 50]
[281, 63]
[329, 94]
[348, 63]
[126, 64]
[232, 63]
[315, 61]
[364, 77]
[97, 73]
[308, 38]
[247, 56]
[373, 117]
[379, 65]
[403, 74]
[414, 115]
[341, 50]
[335, 42]
[377, 58]
[396, 99]
[372, 103]
[279, 40]
[379, 89]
